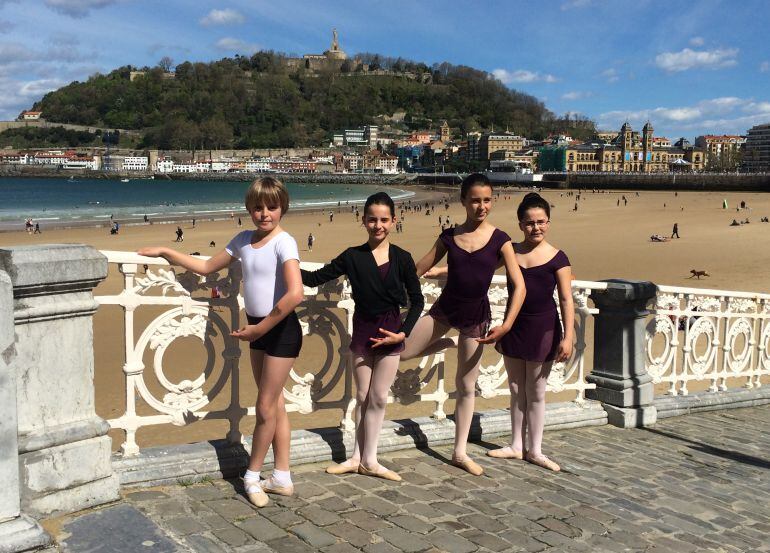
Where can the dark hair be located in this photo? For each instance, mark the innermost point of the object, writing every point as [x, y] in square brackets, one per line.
[380, 198]
[474, 179]
[532, 200]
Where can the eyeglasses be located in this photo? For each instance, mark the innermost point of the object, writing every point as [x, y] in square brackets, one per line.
[533, 224]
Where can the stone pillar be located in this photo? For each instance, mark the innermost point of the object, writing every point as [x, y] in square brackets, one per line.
[622, 383]
[64, 451]
[18, 532]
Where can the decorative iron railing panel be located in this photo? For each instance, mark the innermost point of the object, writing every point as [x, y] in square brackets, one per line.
[207, 308]
[708, 335]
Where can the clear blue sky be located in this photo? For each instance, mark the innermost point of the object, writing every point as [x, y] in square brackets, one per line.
[690, 67]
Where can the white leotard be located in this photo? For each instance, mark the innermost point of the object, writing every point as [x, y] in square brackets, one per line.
[263, 282]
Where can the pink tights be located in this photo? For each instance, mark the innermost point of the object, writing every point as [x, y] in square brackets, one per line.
[428, 337]
[527, 380]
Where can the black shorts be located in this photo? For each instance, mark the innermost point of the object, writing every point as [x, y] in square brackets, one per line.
[283, 340]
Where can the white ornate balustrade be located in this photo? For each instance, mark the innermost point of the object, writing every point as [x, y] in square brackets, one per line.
[188, 310]
[708, 335]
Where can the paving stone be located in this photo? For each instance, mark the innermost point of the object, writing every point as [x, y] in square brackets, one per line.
[416, 478]
[483, 523]
[146, 495]
[291, 544]
[205, 492]
[451, 508]
[313, 535]
[376, 506]
[523, 541]
[261, 529]
[233, 537]
[560, 527]
[318, 516]
[350, 533]
[168, 507]
[487, 541]
[230, 508]
[424, 510]
[340, 548]
[411, 524]
[283, 518]
[403, 540]
[381, 547]
[203, 544]
[452, 543]
[336, 504]
[182, 525]
[365, 520]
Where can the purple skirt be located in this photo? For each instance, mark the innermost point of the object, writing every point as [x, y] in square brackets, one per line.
[368, 326]
[533, 337]
[471, 317]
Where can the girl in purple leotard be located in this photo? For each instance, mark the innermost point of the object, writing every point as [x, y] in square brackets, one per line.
[383, 277]
[474, 250]
[535, 340]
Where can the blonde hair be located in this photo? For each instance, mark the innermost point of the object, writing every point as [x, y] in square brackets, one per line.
[269, 191]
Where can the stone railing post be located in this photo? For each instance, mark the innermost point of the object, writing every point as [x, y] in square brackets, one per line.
[64, 451]
[18, 532]
[622, 383]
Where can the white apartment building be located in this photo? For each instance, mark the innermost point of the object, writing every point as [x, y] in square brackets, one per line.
[259, 165]
[85, 162]
[165, 165]
[388, 165]
[136, 163]
[185, 168]
[51, 157]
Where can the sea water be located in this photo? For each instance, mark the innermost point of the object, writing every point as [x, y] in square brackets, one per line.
[67, 201]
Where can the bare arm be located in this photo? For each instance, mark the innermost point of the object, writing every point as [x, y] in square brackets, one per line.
[189, 262]
[515, 301]
[288, 303]
[434, 255]
[564, 286]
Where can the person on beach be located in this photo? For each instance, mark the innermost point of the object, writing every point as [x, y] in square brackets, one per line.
[473, 249]
[382, 277]
[272, 289]
[310, 241]
[536, 340]
[179, 235]
[675, 230]
[37, 228]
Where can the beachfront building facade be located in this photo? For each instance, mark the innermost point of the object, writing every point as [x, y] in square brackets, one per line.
[756, 157]
[628, 152]
[722, 151]
[136, 163]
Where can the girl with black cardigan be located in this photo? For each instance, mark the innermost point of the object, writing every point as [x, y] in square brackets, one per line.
[382, 277]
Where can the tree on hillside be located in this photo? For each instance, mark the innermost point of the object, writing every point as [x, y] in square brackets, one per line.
[166, 63]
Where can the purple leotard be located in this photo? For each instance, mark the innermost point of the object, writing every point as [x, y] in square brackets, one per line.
[367, 326]
[536, 332]
[463, 303]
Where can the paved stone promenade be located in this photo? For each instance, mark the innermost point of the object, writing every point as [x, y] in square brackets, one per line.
[694, 483]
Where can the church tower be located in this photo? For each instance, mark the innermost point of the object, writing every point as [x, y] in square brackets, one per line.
[444, 132]
[625, 145]
[647, 145]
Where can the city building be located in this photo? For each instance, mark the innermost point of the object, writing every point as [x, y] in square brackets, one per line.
[756, 157]
[493, 142]
[30, 115]
[628, 152]
[135, 163]
[722, 151]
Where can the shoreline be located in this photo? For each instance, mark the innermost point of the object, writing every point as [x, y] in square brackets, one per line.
[417, 194]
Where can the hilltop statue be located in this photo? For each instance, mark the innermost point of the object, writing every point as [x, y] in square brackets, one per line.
[335, 42]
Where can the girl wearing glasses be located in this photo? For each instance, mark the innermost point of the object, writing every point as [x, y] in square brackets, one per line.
[536, 340]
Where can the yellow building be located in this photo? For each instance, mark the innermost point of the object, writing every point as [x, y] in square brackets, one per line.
[493, 142]
[631, 152]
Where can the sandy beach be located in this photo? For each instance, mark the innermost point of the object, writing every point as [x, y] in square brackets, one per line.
[602, 239]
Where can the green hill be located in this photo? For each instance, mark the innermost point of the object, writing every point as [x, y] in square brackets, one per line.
[258, 102]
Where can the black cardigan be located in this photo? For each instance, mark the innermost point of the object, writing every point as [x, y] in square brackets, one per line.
[371, 294]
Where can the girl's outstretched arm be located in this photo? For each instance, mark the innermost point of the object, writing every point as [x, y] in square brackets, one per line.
[189, 262]
[434, 255]
[514, 302]
[328, 272]
[288, 303]
[564, 284]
